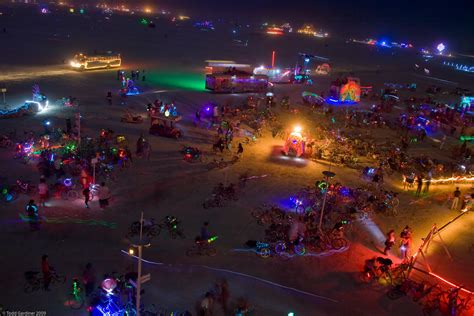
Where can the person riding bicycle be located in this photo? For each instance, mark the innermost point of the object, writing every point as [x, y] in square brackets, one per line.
[171, 221]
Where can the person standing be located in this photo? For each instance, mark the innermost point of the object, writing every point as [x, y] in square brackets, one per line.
[390, 241]
[240, 150]
[87, 195]
[104, 195]
[428, 182]
[456, 196]
[419, 181]
[197, 120]
[109, 97]
[89, 279]
[146, 150]
[46, 270]
[43, 192]
[405, 246]
[32, 212]
[206, 305]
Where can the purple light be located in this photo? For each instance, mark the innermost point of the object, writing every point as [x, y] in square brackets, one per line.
[67, 182]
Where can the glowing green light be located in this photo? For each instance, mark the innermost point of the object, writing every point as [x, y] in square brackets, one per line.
[213, 238]
[81, 11]
[466, 138]
[177, 80]
[144, 22]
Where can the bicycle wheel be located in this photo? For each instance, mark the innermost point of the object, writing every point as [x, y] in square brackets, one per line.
[300, 250]
[75, 301]
[338, 243]
[280, 247]
[72, 195]
[59, 279]
[155, 230]
[300, 209]
[211, 252]
[395, 294]
[192, 252]
[31, 286]
[264, 252]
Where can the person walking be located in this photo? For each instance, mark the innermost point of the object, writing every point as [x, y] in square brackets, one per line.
[43, 192]
[46, 270]
[32, 212]
[456, 196]
[87, 196]
[224, 295]
[89, 279]
[419, 181]
[104, 195]
[390, 241]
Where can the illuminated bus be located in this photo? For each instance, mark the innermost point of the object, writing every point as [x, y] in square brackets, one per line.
[236, 83]
[96, 61]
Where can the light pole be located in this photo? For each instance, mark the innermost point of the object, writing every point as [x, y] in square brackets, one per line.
[140, 243]
[327, 175]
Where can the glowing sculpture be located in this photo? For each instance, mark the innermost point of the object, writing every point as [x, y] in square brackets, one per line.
[295, 143]
[350, 92]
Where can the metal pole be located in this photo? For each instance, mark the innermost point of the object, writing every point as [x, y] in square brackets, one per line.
[93, 173]
[139, 277]
[139, 283]
[322, 208]
[4, 97]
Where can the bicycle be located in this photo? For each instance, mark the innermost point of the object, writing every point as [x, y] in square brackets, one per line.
[203, 247]
[34, 282]
[172, 223]
[283, 248]
[149, 229]
[76, 296]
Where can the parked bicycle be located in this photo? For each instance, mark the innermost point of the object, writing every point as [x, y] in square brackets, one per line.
[34, 281]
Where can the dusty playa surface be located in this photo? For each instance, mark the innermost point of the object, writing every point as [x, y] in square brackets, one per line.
[173, 55]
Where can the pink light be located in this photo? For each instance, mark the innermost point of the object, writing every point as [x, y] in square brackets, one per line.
[273, 59]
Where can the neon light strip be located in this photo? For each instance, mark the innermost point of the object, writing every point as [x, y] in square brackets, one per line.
[245, 275]
[452, 179]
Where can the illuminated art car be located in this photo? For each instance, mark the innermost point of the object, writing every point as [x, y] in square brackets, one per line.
[96, 61]
[295, 143]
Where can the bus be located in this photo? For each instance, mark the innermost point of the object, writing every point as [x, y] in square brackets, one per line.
[96, 61]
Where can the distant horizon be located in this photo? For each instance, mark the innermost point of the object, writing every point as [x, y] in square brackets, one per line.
[403, 21]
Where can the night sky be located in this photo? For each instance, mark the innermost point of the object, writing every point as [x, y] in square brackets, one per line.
[422, 21]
